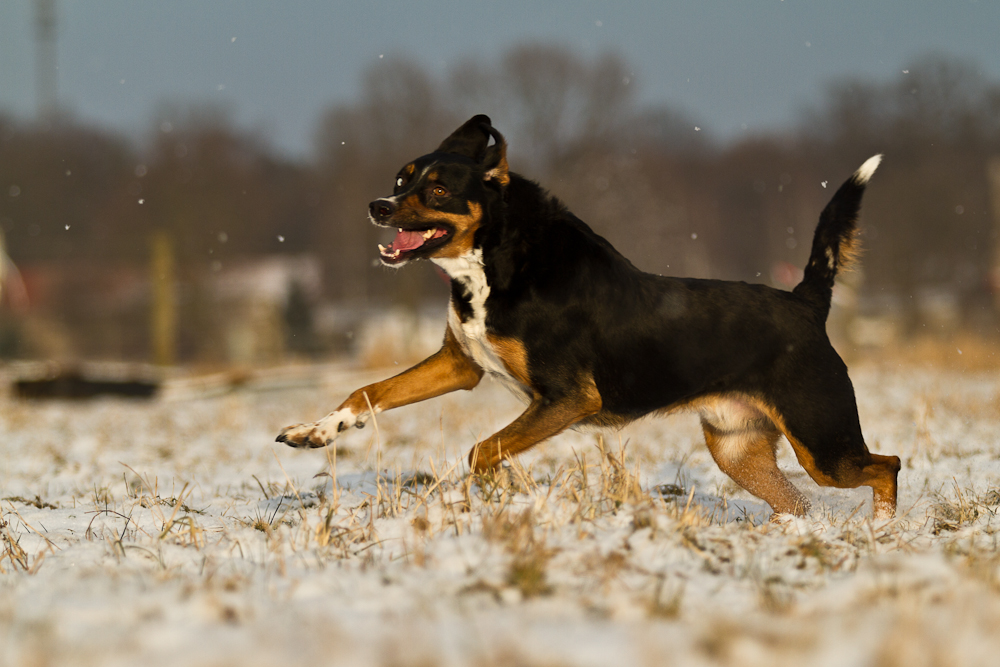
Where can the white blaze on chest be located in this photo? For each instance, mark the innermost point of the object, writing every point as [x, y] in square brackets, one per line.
[471, 334]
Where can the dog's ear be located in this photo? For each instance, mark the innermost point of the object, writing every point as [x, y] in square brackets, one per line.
[495, 167]
[472, 140]
[469, 140]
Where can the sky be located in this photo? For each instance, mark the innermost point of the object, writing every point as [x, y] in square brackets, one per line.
[734, 67]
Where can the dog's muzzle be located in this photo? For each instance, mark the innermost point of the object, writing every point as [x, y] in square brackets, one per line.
[381, 210]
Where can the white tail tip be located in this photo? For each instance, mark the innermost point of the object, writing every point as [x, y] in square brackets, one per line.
[865, 171]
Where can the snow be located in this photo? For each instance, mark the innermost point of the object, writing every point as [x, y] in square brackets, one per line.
[177, 532]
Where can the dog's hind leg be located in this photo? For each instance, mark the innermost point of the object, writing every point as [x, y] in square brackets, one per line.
[747, 455]
[827, 440]
[849, 472]
[880, 474]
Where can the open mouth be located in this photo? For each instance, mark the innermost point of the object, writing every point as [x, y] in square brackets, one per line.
[408, 241]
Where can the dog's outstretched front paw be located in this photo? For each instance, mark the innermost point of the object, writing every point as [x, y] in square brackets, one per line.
[305, 436]
[323, 432]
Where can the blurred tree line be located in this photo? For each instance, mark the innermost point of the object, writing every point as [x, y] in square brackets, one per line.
[664, 192]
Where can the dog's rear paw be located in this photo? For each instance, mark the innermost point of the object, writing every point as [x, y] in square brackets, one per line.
[322, 432]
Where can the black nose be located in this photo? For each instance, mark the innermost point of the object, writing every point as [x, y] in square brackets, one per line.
[381, 209]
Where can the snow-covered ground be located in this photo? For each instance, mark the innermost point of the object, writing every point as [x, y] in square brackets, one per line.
[177, 532]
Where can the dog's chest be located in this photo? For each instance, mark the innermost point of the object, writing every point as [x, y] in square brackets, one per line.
[468, 318]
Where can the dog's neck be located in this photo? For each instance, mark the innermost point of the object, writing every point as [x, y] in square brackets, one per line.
[464, 267]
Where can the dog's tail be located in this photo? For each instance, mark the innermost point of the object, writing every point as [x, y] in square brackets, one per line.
[835, 243]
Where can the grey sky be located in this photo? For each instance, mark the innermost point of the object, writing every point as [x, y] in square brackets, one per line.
[726, 64]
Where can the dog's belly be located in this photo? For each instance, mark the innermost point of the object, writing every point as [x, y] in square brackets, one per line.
[729, 414]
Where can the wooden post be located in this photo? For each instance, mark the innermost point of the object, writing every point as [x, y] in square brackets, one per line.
[163, 318]
[993, 178]
[46, 62]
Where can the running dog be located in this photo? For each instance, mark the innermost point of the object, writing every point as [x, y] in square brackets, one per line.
[551, 309]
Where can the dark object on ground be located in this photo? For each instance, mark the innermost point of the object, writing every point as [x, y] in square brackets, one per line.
[87, 381]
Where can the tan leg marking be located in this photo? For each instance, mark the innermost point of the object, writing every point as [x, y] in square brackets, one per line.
[449, 369]
[748, 457]
[874, 470]
[881, 475]
[543, 419]
[877, 471]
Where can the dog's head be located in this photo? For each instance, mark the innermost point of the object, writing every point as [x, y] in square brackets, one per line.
[442, 198]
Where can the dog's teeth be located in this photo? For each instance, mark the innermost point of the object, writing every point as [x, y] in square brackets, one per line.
[429, 233]
[400, 229]
[381, 248]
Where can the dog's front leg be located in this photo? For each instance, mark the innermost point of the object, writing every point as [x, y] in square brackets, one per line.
[543, 419]
[449, 369]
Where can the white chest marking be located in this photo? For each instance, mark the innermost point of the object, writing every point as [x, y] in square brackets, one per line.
[471, 334]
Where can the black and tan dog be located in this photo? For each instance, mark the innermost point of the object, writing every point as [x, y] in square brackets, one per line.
[541, 302]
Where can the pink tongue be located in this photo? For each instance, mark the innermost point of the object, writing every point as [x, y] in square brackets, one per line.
[408, 241]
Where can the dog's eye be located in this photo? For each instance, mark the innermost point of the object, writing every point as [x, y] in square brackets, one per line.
[438, 191]
[399, 181]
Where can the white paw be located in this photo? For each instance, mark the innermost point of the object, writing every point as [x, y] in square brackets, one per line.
[341, 420]
[323, 432]
[883, 510]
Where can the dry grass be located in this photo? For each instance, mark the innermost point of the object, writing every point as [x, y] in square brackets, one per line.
[383, 550]
[963, 352]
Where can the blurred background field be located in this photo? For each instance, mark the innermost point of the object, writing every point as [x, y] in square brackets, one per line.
[172, 223]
